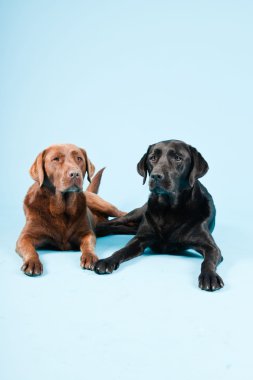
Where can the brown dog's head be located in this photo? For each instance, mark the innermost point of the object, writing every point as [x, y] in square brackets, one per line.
[172, 166]
[63, 167]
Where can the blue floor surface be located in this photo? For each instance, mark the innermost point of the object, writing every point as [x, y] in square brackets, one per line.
[147, 320]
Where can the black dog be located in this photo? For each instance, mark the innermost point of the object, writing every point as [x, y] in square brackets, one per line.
[179, 215]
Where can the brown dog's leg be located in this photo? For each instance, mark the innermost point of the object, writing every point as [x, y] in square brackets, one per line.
[26, 249]
[97, 204]
[87, 246]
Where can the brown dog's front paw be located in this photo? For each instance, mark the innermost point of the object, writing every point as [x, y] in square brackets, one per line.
[88, 261]
[210, 281]
[32, 267]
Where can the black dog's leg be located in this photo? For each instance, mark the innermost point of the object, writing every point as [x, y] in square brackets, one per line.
[134, 248]
[104, 229]
[125, 225]
[208, 278]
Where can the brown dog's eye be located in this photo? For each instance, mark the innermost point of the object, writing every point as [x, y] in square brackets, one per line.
[56, 159]
[79, 159]
[178, 158]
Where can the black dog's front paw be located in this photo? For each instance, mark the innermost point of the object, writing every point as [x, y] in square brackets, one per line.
[106, 266]
[210, 281]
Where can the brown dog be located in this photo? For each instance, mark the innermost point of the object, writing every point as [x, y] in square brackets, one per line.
[58, 213]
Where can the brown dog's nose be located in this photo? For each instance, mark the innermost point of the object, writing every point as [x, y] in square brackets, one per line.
[157, 177]
[74, 174]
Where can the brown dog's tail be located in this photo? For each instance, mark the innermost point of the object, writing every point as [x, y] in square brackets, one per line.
[95, 182]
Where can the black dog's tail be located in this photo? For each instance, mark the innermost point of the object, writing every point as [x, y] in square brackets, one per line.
[95, 182]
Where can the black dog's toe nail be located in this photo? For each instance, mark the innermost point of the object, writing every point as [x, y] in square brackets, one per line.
[105, 267]
[99, 267]
[210, 281]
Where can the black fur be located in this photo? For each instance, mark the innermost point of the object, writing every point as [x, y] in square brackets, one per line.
[179, 215]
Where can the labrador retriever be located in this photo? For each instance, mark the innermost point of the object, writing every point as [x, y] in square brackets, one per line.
[179, 214]
[59, 214]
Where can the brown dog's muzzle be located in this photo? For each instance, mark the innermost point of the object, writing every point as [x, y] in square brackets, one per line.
[74, 180]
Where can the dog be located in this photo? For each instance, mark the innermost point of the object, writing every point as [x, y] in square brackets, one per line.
[179, 214]
[59, 214]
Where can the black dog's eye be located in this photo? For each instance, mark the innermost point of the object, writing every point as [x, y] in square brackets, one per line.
[56, 159]
[152, 158]
[178, 158]
[79, 159]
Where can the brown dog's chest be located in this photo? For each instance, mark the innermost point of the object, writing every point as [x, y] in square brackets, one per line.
[65, 232]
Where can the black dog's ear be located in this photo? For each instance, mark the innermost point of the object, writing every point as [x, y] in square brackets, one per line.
[199, 166]
[142, 167]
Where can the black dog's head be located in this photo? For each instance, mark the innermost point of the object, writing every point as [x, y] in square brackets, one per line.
[172, 166]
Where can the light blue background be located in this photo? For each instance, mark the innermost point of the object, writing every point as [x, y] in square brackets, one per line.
[113, 77]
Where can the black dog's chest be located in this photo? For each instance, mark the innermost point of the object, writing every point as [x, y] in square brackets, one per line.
[170, 231]
[169, 235]
[173, 223]
[165, 225]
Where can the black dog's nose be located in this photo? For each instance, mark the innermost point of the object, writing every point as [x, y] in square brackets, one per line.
[74, 174]
[157, 177]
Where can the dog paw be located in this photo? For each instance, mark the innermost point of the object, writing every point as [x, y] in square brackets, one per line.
[88, 260]
[210, 281]
[32, 267]
[106, 266]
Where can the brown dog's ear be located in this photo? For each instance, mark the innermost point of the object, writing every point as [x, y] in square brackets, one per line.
[37, 169]
[199, 166]
[90, 168]
[142, 167]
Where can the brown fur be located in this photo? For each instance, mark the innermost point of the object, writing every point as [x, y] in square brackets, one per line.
[58, 213]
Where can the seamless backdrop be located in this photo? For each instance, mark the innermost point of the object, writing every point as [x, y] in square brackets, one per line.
[114, 77]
